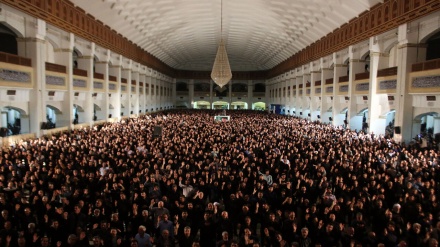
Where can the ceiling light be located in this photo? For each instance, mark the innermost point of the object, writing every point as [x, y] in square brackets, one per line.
[221, 70]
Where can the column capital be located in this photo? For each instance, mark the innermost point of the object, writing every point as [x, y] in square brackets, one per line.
[378, 54]
[31, 39]
[63, 50]
[86, 57]
[411, 45]
[357, 61]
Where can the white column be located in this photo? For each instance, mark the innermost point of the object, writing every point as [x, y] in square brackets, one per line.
[159, 84]
[85, 62]
[142, 99]
[408, 52]
[126, 73]
[34, 47]
[174, 93]
[64, 56]
[191, 93]
[326, 73]
[314, 104]
[339, 70]
[116, 70]
[292, 84]
[230, 95]
[148, 92]
[154, 92]
[356, 66]
[267, 99]
[377, 102]
[136, 95]
[305, 99]
[250, 94]
[211, 93]
[102, 67]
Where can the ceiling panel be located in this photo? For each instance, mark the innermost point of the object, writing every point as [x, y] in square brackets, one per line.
[258, 34]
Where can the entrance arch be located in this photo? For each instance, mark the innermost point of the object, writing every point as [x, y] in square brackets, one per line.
[78, 111]
[389, 123]
[51, 116]
[239, 105]
[12, 121]
[202, 105]
[425, 127]
[259, 106]
[220, 105]
[423, 124]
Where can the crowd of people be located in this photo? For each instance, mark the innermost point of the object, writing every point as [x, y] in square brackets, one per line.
[259, 179]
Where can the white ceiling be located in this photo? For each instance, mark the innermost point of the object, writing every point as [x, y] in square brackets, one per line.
[259, 34]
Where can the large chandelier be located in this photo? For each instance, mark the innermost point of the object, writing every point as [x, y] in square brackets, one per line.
[221, 70]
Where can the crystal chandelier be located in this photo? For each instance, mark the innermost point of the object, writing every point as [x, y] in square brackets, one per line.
[221, 71]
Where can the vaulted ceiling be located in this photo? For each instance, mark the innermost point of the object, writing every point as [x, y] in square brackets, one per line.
[258, 34]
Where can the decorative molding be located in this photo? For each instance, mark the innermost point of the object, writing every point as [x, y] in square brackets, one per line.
[63, 50]
[14, 76]
[79, 83]
[86, 57]
[426, 82]
[412, 45]
[378, 54]
[31, 39]
[55, 80]
[98, 85]
[343, 88]
[360, 87]
[388, 85]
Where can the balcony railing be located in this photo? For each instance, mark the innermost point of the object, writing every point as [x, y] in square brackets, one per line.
[80, 72]
[14, 59]
[343, 79]
[55, 68]
[362, 76]
[98, 76]
[112, 78]
[427, 65]
[387, 72]
[329, 81]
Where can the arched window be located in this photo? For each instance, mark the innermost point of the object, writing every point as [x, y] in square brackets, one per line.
[386, 14]
[8, 40]
[417, 3]
[395, 10]
[379, 17]
[433, 47]
[406, 6]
